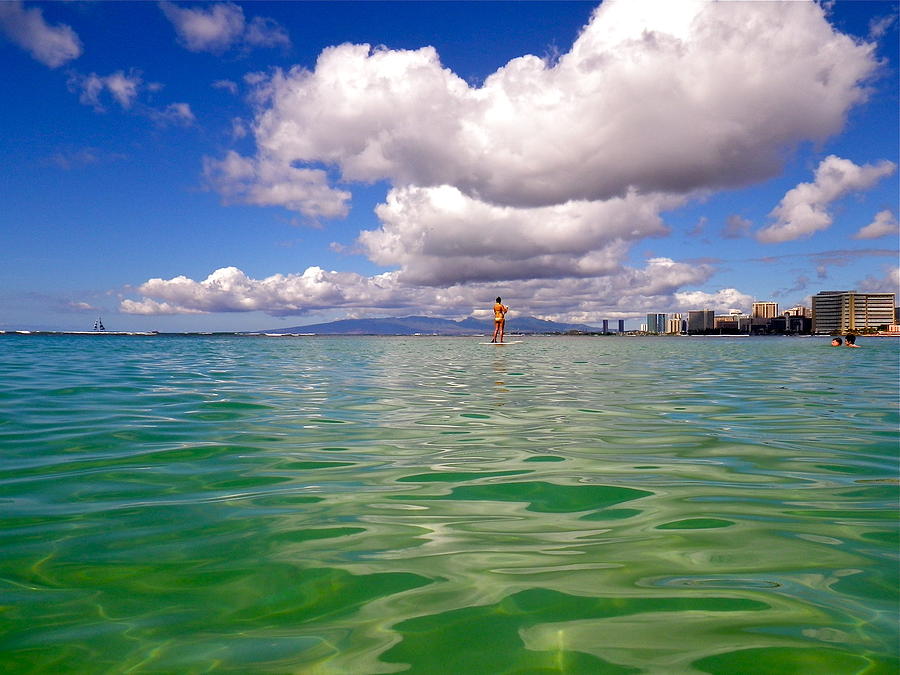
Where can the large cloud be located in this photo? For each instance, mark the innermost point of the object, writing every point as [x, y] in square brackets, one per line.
[271, 183]
[439, 235]
[804, 209]
[534, 184]
[229, 289]
[51, 45]
[651, 97]
[549, 169]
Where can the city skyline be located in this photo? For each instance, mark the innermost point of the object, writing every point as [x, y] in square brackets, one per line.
[230, 166]
[830, 312]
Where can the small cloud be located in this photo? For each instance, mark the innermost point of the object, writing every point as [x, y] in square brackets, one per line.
[879, 26]
[804, 209]
[227, 85]
[723, 300]
[698, 228]
[67, 160]
[343, 249]
[704, 260]
[218, 27]
[90, 88]
[75, 158]
[736, 227]
[175, 114]
[255, 78]
[889, 283]
[150, 307]
[264, 32]
[124, 89]
[843, 257]
[885, 223]
[210, 29]
[82, 307]
[800, 284]
[238, 128]
[51, 45]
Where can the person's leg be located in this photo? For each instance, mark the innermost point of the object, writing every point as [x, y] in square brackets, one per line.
[496, 330]
[502, 329]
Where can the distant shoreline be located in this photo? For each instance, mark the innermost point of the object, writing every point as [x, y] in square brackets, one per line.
[405, 335]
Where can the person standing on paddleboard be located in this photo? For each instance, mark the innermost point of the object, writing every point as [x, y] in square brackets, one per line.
[500, 311]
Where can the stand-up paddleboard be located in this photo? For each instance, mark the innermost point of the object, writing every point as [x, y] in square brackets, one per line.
[509, 342]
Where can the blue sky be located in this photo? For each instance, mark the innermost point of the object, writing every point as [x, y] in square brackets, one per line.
[240, 166]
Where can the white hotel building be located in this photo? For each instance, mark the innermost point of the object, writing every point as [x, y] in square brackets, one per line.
[847, 311]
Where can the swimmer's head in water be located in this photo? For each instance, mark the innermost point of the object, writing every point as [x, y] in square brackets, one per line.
[836, 342]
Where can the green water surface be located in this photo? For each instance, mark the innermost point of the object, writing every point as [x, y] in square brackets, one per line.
[431, 505]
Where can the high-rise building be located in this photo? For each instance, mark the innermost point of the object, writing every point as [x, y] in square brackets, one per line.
[764, 310]
[656, 323]
[605, 325]
[701, 320]
[845, 311]
[675, 324]
[621, 325]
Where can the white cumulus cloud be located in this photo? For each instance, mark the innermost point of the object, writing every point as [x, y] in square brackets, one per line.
[885, 223]
[722, 300]
[804, 209]
[549, 169]
[649, 98]
[51, 45]
[268, 182]
[229, 289]
[217, 27]
[149, 307]
[440, 235]
[535, 183]
[889, 283]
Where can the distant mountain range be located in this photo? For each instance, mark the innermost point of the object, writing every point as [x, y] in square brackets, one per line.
[426, 325]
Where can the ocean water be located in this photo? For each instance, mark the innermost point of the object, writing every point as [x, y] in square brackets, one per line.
[589, 505]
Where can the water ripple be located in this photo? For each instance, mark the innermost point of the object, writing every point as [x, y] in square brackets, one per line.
[368, 505]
